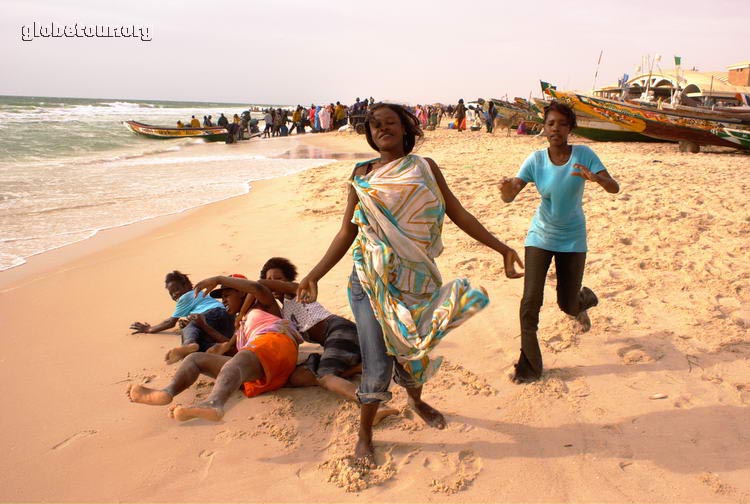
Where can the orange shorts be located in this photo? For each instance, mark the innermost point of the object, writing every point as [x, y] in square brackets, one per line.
[277, 354]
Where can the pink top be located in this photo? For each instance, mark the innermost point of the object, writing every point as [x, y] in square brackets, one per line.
[258, 322]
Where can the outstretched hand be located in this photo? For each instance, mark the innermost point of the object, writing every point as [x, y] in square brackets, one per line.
[307, 291]
[510, 260]
[206, 286]
[509, 188]
[585, 173]
[140, 327]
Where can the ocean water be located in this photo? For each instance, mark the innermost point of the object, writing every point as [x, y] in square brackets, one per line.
[69, 168]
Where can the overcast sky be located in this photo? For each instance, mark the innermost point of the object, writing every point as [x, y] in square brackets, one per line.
[303, 51]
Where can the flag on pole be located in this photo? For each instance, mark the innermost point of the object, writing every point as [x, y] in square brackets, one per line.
[677, 60]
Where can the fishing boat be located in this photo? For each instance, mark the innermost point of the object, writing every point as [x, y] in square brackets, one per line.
[209, 134]
[655, 123]
[600, 130]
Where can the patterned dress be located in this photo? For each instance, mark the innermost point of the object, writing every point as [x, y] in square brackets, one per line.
[400, 218]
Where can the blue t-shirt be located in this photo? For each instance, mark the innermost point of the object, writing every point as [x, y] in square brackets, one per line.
[559, 224]
[188, 304]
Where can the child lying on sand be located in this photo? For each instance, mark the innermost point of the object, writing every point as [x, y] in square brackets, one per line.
[208, 322]
[266, 353]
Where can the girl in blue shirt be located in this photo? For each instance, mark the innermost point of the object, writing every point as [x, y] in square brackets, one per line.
[558, 229]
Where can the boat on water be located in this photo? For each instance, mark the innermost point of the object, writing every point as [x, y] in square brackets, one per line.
[655, 123]
[209, 134]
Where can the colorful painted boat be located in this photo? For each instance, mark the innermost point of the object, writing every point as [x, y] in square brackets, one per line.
[209, 134]
[654, 123]
[600, 130]
[740, 137]
[607, 131]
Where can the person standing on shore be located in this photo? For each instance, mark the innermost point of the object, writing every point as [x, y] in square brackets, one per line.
[394, 216]
[195, 123]
[558, 230]
[491, 114]
[222, 121]
[460, 115]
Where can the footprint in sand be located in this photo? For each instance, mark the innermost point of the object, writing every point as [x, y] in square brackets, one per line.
[744, 391]
[78, 435]
[209, 456]
[637, 354]
[455, 473]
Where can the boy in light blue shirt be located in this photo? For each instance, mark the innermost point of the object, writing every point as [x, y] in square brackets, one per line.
[208, 322]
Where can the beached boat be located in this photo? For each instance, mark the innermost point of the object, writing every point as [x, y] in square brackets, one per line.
[740, 137]
[594, 128]
[661, 124]
[209, 134]
[607, 131]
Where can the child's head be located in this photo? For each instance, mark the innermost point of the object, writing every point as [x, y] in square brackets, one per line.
[232, 299]
[279, 268]
[391, 127]
[559, 121]
[177, 284]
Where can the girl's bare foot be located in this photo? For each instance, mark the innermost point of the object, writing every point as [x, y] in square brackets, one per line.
[145, 395]
[180, 352]
[430, 415]
[202, 410]
[383, 413]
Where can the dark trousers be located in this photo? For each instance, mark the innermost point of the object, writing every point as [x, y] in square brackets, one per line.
[569, 268]
[219, 319]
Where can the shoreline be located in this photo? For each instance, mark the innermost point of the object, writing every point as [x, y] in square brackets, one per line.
[280, 148]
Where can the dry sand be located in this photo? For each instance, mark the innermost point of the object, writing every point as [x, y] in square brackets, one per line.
[668, 257]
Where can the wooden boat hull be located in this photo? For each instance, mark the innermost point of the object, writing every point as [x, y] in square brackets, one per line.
[653, 123]
[210, 134]
[739, 137]
[605, 131]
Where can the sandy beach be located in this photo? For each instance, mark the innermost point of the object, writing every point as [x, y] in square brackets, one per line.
[651, 405]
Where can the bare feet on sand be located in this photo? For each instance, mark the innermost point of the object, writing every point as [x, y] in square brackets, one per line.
[180, 352]
[364, 453]
[202, 410]
[430, 415]
[382, 413]
[145, 395]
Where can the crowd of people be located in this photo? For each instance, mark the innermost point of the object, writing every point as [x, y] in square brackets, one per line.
[392, 225]
[278, 121]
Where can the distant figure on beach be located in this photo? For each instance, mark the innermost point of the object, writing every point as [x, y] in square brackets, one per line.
[180, 125]
[222, 121]
[558, 230]
[268, 121]
[210, 123]
[205, 121]
[460, 115]
[394, 216]
[490, 115]
[341, 356]
[195, 123]
[266, 353]
[206, 321]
